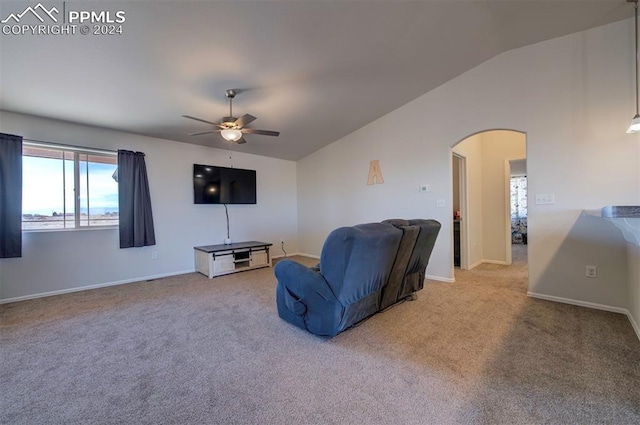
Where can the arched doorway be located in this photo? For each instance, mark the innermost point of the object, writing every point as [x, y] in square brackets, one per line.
[482, 216]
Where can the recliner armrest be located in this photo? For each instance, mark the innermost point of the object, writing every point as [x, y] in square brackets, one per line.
[305, 299]
[302, 282]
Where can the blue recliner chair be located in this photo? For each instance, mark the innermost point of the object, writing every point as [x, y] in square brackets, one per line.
[408, 272]
[354, 267]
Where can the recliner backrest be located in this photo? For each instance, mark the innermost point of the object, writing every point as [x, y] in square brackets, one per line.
[429, 230]
[391, 291]
[356, 261]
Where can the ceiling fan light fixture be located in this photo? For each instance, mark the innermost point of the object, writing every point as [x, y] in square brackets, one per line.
[232, 129]
[231, 134]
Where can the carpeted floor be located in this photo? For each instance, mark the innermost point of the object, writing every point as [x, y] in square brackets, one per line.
[189, 350]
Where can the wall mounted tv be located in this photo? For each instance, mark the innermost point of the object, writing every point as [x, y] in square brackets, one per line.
[222, 185]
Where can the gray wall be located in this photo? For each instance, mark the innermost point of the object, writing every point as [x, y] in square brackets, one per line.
[60, 261]
[545, 91]
[518, 168]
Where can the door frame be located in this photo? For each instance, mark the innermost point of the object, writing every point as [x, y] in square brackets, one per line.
[464, 227]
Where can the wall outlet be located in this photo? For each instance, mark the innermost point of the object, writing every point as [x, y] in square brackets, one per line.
[592, 271]
[154, 255]
[440, 203]
[281, 240]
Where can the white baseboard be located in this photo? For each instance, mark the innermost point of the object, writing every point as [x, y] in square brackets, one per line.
[86, 288]
[474, 265]
[440, 278]
[294, 254]
[578, 303]
[501, 263]
[589, 305]
[634, 324]
[302, 254]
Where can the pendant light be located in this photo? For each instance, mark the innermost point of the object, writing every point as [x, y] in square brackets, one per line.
[635, 122]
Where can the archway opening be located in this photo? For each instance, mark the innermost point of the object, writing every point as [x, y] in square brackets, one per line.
[490, 223]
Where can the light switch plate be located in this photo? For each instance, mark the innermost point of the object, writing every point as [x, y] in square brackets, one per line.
[545, 199]
[440, 203]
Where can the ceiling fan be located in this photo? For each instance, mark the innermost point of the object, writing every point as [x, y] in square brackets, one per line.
[232, 129]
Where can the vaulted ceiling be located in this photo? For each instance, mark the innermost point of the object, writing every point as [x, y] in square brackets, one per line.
[313, 70]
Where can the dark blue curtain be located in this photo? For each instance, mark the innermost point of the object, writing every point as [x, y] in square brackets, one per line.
[136, 218]
[10, 196]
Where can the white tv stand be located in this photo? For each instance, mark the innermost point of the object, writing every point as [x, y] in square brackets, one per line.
[217, 260]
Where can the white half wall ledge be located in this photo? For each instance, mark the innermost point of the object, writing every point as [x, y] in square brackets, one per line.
[625, 218]
[89, 287]
[587, 304]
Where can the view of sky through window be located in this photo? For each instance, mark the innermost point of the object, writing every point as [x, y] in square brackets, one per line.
[49, 186]
[42, 186]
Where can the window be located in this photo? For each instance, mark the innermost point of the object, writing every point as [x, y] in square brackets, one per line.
[518, 197]
[519, 209]
[66, 187]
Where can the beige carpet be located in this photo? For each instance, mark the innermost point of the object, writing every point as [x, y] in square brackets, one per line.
[189, 350]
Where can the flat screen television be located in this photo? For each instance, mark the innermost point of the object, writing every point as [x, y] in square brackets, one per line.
[222, 185]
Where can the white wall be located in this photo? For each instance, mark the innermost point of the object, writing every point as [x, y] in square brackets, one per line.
[633, 262]
[498, 147]
[572, 96]
[58, 261]
[518, 168]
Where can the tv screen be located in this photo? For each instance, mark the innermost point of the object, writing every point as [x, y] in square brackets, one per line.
[222, 185]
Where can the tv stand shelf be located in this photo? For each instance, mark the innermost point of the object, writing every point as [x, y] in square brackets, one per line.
[218, 260]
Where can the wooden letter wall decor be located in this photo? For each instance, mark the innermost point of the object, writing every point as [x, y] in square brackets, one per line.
[375, 173]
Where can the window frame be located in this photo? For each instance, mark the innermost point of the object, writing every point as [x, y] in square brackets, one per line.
[77, 151]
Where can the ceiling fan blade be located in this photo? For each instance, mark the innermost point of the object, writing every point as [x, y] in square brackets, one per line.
[244, 120]
[203, 132]
[241, 141]
[262, 132]
[201, 120]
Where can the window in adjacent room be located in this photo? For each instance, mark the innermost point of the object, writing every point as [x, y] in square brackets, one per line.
[67, 187]
[519, 209]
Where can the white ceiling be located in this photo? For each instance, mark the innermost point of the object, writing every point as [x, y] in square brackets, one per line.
[313, 70]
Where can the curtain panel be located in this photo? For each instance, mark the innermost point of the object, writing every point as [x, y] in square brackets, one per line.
[10, 196]
[136, 218]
